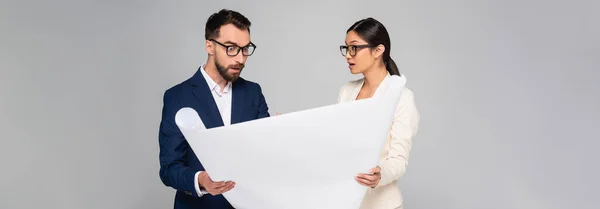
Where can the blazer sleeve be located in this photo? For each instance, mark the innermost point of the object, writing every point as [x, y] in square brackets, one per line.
[403, 129]
[174, 171]
[263, 108]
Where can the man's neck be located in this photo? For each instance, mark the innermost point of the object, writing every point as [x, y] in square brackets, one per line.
[213, 73]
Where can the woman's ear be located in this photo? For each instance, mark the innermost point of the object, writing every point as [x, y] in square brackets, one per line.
[379, 50]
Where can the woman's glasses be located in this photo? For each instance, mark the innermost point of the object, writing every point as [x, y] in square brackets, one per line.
[352, 49]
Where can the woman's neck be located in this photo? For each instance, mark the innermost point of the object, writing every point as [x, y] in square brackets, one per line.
[374, 77]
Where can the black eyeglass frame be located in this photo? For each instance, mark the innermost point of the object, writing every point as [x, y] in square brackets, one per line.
[355, 48]
[239, 48]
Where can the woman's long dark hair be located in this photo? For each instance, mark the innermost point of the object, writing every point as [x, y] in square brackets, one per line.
[374, 33]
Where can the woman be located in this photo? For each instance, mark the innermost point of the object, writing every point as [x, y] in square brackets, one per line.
[367, 51]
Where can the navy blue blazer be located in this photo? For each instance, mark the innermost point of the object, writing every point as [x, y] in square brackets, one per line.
[178, 163]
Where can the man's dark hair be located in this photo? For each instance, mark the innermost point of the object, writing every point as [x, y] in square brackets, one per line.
[224, 17]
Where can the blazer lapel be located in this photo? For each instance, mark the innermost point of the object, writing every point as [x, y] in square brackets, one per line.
[355, 90]
[237, 102]
[382, 86]
[208, 110]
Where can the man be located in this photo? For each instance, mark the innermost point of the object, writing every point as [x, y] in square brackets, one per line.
[221, 97]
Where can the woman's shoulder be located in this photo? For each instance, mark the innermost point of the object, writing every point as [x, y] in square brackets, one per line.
[345, 92]
[407, 98]
[407, 91]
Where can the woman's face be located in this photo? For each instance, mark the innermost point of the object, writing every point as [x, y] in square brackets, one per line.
[358, 54]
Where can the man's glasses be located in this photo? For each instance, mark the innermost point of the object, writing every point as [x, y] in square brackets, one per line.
[352, 49]
[234, 50]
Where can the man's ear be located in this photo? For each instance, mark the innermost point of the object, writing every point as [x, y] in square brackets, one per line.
[210, 47]
[379, 50]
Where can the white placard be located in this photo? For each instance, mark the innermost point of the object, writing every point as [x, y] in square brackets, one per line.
[300, 160]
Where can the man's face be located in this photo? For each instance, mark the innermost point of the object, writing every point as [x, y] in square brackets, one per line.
[228, 51]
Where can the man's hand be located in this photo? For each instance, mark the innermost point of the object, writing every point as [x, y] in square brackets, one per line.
[370, 179]
[214, 188]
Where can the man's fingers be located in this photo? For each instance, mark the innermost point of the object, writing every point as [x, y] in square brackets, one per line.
[214, 187]
[220, 185]
[228, 186]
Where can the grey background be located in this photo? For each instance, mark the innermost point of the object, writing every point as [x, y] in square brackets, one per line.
[507, 91]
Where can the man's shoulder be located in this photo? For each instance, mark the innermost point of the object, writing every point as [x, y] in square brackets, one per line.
[174, 89]
[177, 89]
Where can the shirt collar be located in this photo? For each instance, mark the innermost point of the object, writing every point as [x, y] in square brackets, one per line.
[212, 85]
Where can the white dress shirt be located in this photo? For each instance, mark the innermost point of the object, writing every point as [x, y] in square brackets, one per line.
[223, 99]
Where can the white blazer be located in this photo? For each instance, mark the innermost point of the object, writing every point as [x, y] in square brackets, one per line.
[395, 153]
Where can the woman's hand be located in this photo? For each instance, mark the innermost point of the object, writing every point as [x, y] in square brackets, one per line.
[370, 179]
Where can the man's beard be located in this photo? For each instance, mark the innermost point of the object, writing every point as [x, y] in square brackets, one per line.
[223, 71]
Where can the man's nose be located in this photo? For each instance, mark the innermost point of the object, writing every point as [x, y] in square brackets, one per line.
[240, 58]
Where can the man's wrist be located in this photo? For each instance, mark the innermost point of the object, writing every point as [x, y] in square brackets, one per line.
[200, 177]
[197, 185]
